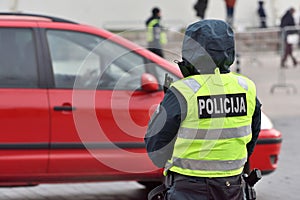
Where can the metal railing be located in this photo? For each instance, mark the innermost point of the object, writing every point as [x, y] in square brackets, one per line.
[285, 34]
[258, 40]
[252, 44]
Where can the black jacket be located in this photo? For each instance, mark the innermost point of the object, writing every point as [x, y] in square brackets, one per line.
[200, 8]
[261, 11]
[287, 20]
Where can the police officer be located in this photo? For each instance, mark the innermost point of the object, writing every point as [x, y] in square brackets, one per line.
[155, 33]
[208, 122]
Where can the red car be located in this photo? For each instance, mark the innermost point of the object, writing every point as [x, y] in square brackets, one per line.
[75, 102]
[267, 149]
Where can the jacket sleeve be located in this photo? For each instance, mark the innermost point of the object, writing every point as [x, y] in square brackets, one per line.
[255, 126]
[162, 129]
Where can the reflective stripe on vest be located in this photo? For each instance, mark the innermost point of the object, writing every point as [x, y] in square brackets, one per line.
[214, 134]
[209, 165]
[212, 139]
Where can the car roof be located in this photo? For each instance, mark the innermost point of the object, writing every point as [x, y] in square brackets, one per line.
[32, 17]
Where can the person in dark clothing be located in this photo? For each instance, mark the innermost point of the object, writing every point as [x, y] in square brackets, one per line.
[156, 36]
[262, 14]
[200, 8]
[230, 4]
[287, 21]
[199, 140]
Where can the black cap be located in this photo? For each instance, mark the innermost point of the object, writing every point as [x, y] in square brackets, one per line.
[155, 11]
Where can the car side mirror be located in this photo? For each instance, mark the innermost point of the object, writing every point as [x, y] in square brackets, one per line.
[149, 83]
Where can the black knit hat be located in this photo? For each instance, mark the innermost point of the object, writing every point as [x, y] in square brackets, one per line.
[155, 11]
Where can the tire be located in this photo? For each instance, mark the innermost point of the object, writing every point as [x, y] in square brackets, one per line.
[150, 184]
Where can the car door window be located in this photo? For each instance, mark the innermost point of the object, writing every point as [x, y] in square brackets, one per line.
[122, 69]
[18, 65]
[73, 58]
[86, 61]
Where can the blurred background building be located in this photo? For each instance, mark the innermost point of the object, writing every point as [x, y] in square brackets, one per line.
[132, 13]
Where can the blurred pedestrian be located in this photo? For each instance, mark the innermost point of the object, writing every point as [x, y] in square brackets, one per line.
[200, 8]
[155, 33]
[287, 20]
[230, 11]
[262, 14]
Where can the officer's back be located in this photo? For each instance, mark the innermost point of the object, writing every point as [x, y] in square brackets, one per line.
[207, 124]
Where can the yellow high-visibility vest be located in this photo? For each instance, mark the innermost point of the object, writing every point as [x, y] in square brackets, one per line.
[212, 139]
[150, 34]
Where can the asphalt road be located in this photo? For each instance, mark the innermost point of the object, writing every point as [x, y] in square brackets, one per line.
[282, 107]
[86, 191]
[284, 183]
